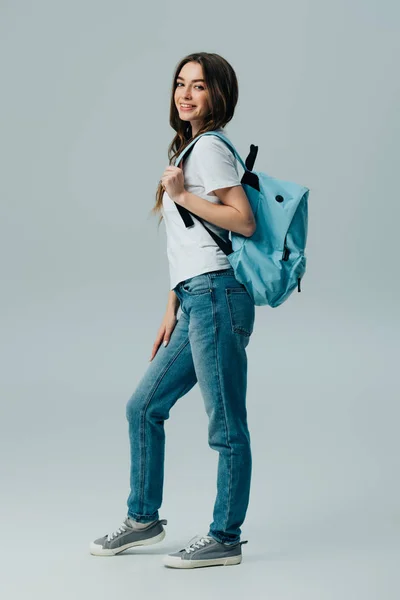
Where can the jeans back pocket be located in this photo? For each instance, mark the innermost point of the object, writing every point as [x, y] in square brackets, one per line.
[241, 310]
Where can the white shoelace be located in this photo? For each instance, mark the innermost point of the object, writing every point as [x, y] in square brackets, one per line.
[114, 534]
[198, 541]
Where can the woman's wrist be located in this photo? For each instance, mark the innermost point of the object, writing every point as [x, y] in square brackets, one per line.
[173, 303]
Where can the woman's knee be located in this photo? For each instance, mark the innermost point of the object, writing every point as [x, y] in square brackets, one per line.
[134, 407]
[142, 405]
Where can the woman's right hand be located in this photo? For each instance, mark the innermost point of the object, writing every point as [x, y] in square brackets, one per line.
[164, 333]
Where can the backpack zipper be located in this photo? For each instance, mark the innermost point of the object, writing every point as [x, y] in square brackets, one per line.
[286, 250]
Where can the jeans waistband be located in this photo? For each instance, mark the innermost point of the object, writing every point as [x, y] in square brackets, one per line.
[228, 271]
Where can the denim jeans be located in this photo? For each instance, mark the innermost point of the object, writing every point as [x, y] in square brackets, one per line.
[208, 346]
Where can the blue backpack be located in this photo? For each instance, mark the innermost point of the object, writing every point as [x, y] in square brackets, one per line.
[270, 263]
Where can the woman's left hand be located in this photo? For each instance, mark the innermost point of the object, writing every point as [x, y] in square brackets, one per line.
[173, 182]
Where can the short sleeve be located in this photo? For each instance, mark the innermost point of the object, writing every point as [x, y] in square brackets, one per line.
[216, 165]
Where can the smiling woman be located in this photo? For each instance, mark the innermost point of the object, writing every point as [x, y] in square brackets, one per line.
[207, 344]
[209, 185]
[191, 95]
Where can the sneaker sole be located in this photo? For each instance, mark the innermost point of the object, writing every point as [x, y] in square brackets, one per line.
[177, 563]
[98, 550]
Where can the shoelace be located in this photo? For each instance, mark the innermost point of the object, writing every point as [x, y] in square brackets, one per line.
[197, 542]
[114, 534]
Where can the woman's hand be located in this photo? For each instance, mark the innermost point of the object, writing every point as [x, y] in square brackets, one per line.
[164, 333]
[173, 182]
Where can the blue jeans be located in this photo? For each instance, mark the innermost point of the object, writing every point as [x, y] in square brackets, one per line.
[208, 346]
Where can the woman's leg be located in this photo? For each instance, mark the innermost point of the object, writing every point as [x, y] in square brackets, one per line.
[169, 376]
[221, 321]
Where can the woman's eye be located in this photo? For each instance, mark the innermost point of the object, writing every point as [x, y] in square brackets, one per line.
[199, 86]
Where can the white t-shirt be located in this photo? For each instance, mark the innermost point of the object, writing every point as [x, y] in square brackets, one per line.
[191, 250]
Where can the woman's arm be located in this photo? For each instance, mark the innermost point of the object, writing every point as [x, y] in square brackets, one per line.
[167, 325]
[234, 214]
[173, 303]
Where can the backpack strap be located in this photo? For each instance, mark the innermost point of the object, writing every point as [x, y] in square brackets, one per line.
[186, 215]
[217, 134]
[251, 159]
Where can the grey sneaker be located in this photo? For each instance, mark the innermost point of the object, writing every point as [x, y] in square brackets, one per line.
[205, 551]
[126, 537]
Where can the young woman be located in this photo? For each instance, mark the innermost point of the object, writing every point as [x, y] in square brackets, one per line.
[207, 344]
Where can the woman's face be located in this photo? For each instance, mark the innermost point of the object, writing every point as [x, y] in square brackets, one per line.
[189, 90]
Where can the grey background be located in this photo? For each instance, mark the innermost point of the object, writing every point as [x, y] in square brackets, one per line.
[84, 274]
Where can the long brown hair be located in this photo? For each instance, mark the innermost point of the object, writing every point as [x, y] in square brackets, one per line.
[223, 90]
